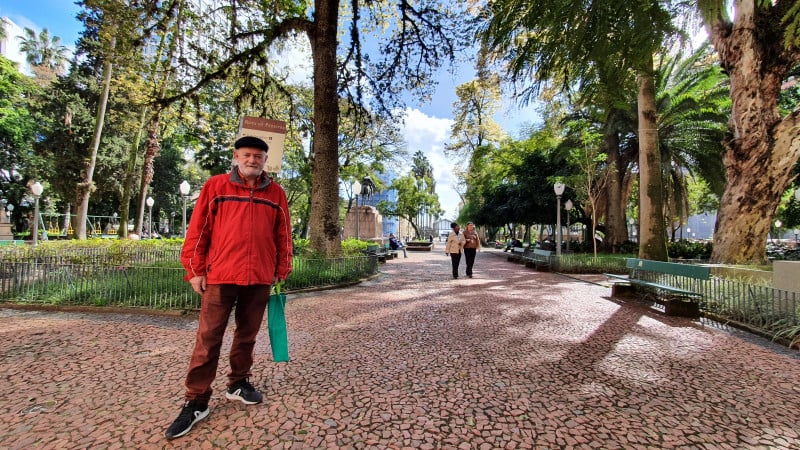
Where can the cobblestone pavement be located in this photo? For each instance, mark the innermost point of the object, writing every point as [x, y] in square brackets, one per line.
[510, 359]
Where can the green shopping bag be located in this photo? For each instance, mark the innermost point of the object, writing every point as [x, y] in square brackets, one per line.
[276, 324]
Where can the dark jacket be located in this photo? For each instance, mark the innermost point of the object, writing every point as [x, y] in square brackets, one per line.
[239, 235]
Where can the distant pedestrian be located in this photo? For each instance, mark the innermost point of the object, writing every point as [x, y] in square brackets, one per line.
[453, 246]
[238, 243]
[472, 244]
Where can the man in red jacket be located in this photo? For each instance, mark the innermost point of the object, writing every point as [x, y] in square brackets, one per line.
[238, 242]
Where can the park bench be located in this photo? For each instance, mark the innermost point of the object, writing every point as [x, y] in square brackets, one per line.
[539, 259]
[517, 255]
[391, 253]
[681, 282]
[378, 251]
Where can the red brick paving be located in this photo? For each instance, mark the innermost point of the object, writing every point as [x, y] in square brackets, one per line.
[512, 359]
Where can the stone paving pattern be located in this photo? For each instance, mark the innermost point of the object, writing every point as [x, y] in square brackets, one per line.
[511, 359]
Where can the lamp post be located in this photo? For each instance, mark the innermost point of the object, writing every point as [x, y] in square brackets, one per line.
[568, 207]
[631, 221]
[184, 188]
[356, 191]
[688, 233]
[778, 225]
[36, 189]
[149, 203]
[10, 209]
[796, 232]
[559, 190]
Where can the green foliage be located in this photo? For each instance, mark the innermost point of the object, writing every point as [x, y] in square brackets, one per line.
[105, 251]
[523, 191]
[354, 247]
[300, 246]
[589, 263]
[416, 193]
[689, 250]
[17, 131]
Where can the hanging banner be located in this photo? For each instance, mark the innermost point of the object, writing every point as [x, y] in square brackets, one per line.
[273, 132]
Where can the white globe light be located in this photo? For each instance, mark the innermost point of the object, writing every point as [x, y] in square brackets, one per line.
[37, 189]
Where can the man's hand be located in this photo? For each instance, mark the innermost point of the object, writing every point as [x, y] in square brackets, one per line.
[198, 284]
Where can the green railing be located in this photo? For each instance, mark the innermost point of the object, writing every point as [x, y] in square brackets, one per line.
[49, 281]
[769, 311]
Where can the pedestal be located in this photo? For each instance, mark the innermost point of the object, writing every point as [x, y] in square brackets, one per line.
[364, 221]
[5, 232]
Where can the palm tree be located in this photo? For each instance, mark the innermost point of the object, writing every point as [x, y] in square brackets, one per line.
[559, 42]
[43, 50]
[693, 108]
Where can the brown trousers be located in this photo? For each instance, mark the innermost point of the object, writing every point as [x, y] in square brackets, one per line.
[215, 310]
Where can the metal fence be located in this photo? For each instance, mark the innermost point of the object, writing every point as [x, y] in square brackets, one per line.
[773, 312]
[765, 308]
[48, 281]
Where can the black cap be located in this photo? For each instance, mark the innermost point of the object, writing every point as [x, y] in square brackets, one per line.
[251, 142]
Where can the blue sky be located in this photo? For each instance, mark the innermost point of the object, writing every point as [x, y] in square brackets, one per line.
[427, 126]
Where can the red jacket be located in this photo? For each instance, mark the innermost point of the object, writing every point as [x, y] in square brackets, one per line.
[239, 235]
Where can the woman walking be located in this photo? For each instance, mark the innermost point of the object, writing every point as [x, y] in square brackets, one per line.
[455, 242]
[472, 245]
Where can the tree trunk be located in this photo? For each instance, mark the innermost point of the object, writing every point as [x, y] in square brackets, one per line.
[324, 221]
[130, 175]
[616, 231]
[761, 148]
[152, 148]
[652, 234]
[86, 185]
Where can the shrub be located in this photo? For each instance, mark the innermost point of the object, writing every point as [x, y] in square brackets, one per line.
[689, 249]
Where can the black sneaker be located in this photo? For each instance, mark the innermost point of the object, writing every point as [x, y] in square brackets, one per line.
[243, 391]
[191, 413]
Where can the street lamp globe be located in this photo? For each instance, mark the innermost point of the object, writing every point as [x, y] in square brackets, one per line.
[184, 188]
[37, 189]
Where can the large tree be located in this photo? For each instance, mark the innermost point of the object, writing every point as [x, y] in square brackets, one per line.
[562, 42]
[17, 130]
[412, 40]
[757, 48]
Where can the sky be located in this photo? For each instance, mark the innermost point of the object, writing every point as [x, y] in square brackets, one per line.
[426, 128]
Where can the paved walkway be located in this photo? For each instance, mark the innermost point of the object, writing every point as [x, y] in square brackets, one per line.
[411, 359]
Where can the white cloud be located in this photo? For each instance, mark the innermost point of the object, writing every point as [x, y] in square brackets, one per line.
[429, 134]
